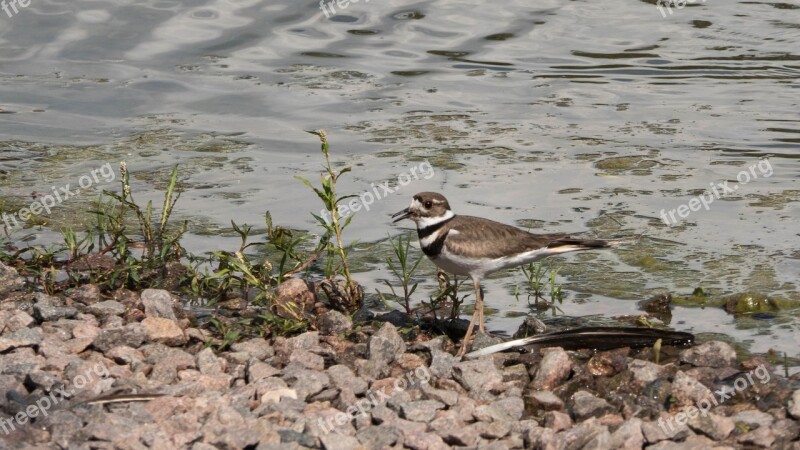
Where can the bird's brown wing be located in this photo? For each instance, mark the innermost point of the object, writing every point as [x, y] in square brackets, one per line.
[476, 236]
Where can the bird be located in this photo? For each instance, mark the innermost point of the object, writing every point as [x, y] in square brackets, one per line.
[475, 247]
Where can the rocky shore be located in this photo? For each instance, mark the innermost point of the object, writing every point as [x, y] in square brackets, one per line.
[131, 370]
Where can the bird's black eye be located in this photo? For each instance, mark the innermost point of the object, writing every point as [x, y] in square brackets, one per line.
[428, 204]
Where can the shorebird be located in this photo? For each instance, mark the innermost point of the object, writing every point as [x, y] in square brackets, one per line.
[476, 247]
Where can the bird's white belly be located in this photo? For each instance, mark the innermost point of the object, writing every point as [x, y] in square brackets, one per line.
[479, 267]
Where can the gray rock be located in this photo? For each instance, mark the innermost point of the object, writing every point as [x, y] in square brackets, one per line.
[447, 397]
[754, 418]
[107, 308]
[586, 405]
[259, 370]
[24, 337]
[376, 438]
[545, 400]
[17, 320]
[307, 359]
[258, 348]
[333, 323]
[453, 431]
[794, 405]
[479, 377]
[442, 363]
[557, 421]
[665, 428]
[712, 425]
[288, 436]
[158, 303]
[483, 340]
[710, 354]
[509, 409]
[386, 345]
[694, 442]
[543, 439]
[786, 429]
[10, 280]
[421, 410]
[209, 363]
[424, 441]
[132, 335]
[760, 437]
[163, 330]
[588, 434]
[645, 372]
[45, 311]
[553, 370]
[493, 430]
[307, 383]
[87, 294]
[628, 436]
[335, 441]
[344, 378]
[688, 391]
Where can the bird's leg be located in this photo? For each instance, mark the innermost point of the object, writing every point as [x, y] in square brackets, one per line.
[465, 342]
[479, 305]
[477, 315]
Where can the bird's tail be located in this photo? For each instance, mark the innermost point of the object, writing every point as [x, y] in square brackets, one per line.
[573, 244]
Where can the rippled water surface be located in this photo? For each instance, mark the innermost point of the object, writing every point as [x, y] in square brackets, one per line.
[554, 115]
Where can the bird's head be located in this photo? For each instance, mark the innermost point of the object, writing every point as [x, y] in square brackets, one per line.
[425, 207]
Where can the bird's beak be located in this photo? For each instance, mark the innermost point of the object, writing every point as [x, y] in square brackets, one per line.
[404, 214]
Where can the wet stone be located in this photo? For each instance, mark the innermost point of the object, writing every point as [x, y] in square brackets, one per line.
[554, 369]
[106, 308]
[545, 400]
[760, 437]
[163, 330]
[131, 335]
[24, 337]
[10, 280]
[386, 344]
[585, 405]
[421, 411]
[710, 354]
[87, 294]
[375, 438]
[333, 323]
[794, 405]
[628, 436]
[479, 377]
[712, 425]
[688, 391]
[557, 421]
[158, 303]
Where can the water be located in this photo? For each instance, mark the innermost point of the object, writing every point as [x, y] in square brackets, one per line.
[560, 116]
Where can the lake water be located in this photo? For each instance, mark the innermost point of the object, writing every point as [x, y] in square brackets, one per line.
[560, 116]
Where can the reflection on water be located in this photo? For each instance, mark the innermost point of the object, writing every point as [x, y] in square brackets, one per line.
[562, 116]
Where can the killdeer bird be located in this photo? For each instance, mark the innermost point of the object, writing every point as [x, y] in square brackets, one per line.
[476, 247]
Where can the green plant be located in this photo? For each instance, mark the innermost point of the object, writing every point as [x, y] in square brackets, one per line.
[348, 298]
[158, 242]
[403, 271]
[535, 273]
[447, 294]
